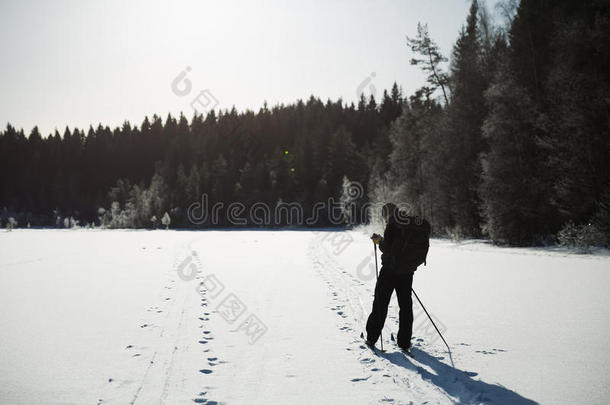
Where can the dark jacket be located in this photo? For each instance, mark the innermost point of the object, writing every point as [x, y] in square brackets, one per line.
[391, 232]
[393, 243]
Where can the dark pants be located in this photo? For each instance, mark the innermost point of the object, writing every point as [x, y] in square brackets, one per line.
[388, 282]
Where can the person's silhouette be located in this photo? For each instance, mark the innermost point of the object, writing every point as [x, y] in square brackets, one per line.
[390, 279]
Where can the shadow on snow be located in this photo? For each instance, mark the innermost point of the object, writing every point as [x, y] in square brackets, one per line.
[457, 383]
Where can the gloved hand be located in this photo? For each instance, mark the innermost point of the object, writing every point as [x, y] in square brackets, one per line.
[376, 238]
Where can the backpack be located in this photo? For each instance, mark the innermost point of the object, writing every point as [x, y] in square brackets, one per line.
[410, 245]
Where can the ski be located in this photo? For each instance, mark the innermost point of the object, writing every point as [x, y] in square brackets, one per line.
[372, 347]
[407, 352]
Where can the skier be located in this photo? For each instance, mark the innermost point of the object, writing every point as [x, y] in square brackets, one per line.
[396, 273]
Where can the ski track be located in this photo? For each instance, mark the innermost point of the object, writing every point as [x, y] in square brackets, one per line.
[105, 317]
[353, 313]
[427, 380]
[346, 301]
[170, 340]
[207, 334]
[167, 319]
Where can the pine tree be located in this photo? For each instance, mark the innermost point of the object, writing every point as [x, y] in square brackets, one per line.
[515, 189]
[430, 59]
[465, 115]
[413, 137]
[576, 100]
[342, 160]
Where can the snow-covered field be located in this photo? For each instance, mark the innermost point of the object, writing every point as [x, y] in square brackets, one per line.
[274, 317]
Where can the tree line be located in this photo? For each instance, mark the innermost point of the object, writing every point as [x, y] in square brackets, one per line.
[516, 147]
[509, 142]
[130, 176]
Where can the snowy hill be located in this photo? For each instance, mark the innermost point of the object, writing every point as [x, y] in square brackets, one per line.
[274, 317]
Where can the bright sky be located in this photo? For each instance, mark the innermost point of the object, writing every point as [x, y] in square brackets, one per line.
[75, 62]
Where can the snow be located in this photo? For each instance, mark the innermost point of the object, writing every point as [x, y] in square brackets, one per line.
[98, 316]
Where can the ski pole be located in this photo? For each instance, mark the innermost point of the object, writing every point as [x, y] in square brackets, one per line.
[377, 275]
[429, 317]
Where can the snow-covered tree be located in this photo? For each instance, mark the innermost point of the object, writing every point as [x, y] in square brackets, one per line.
[11, 223]
[350, 194]
[166, 220]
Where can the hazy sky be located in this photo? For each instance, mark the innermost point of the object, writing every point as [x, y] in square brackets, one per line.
[75, 62]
